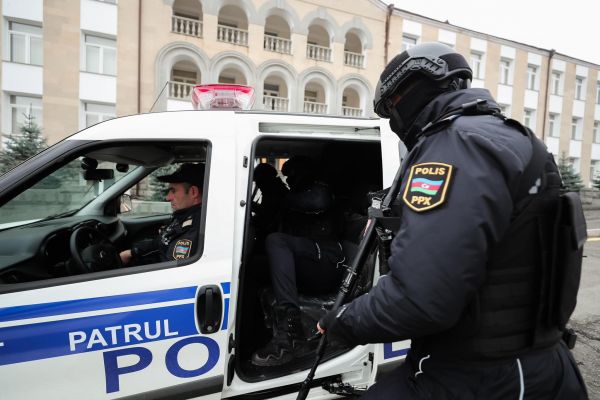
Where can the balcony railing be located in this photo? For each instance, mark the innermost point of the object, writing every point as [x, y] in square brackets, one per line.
[232, 35]
[311, 107]
[186, 26]
[319, 53]
[275, 103]
[277, 44]
[354, 59]
[352, 111]
[180, 91]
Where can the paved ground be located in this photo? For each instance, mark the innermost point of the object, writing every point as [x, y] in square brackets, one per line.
[586, 319]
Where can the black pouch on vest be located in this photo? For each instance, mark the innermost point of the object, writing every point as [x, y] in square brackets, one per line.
[570, 234]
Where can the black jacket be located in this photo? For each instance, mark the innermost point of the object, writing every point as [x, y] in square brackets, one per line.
[177, 240]
[439, 255]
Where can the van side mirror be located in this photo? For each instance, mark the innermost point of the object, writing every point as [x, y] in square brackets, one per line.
[126, 205]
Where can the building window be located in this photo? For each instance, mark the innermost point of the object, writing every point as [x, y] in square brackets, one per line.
[477, 65]
[576, 131]
[100, 55]
[596, 132]
[25, 43]
[408, 42]
[579, 88]
[505, 75]
[598, 93]
[20, 108]
[528, 119]
[95, 113]
[575, 162]
[553, 125]
[532, 71]
[556, 82]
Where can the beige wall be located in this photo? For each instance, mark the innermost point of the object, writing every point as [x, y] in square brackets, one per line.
[127, 57]
[62, 54]
[588, 124]
[61, 68]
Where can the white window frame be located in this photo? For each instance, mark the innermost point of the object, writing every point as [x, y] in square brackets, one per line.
[598, 92]
[529, 118]
[101, 112]
[24, 109]
[579, 88]
[554, 125]
[576, 163]
[409, 41]
[556, 83]
[102, 48]
[532, 75]
[596, 132]
[477, 63]
[28, 36]
[576, 131]
[506, 71]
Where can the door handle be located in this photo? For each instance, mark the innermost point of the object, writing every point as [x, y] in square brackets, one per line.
[209, 310]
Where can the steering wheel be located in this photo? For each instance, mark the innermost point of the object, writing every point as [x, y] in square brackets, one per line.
[92, 251]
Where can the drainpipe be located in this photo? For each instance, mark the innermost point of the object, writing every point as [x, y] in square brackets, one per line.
[388, 18]
[547, 99]
[139, 58]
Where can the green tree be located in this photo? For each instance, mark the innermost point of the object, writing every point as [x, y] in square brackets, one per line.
[159, 189]
[571, 180]
[22, 146]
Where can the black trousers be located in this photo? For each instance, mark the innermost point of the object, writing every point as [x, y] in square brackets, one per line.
[551, 374]
[300, 263]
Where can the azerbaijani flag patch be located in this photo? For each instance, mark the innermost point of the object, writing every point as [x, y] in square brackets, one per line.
[427, 185]
[182, 249]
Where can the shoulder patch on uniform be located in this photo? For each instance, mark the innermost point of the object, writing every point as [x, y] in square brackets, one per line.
[187, 222]
[182, 249]
[427, 185]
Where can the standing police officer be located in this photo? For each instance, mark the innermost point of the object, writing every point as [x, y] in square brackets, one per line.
[468, 266]
[179, 238]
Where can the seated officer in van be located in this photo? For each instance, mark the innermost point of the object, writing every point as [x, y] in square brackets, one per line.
[273, 191]
[176, 240]
[304, 254]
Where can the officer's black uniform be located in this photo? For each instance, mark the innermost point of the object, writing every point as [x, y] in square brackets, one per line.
[176, 241]
[444, 256]
[304, 254]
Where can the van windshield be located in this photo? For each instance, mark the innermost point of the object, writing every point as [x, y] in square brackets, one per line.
[61, 193]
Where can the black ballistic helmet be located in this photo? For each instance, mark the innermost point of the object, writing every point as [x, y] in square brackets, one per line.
[425, 68]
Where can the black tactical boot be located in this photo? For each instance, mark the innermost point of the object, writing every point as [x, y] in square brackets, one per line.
[287, 342]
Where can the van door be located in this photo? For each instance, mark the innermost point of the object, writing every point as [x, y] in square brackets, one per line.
[157, 330]
[338, 150]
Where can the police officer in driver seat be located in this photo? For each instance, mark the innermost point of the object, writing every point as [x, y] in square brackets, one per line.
[471, 281]
[179, 238]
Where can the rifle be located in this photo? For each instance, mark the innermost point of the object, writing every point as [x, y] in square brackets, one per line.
[377, 210]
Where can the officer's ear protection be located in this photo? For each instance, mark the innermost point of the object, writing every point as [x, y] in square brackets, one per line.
[460, 83]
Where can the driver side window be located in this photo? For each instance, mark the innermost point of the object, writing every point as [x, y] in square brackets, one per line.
[148, 197]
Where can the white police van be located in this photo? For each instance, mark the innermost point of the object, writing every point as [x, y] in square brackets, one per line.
[74, 324]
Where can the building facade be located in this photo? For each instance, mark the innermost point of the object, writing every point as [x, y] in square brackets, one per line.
[73, 63]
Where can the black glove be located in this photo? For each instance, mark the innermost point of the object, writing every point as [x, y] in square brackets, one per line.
[335, 329]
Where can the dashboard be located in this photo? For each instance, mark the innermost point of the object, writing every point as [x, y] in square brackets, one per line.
[41, 250]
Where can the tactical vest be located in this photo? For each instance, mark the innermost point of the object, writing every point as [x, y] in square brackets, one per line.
[533, 273]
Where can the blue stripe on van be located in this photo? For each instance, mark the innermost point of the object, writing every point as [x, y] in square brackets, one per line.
[81, 335]
[93, 304]
[226, 287]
